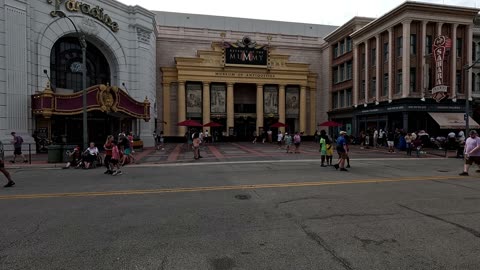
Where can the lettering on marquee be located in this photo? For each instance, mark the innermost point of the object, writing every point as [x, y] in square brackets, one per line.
[245, 75]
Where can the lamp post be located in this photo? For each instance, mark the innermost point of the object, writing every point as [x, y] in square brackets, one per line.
[83, 45]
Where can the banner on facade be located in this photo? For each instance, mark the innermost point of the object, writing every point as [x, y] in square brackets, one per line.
[292, 103]
[246, 52]
[194, 100]
[440, 46]
[217, 99]
[270, 100]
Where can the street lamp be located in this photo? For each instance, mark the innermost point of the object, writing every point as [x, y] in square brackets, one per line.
[83, 45]
[467, 97]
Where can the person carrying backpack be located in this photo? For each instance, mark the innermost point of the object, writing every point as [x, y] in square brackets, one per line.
[17, 145]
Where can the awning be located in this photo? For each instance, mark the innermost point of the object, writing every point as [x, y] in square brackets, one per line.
[453, 120]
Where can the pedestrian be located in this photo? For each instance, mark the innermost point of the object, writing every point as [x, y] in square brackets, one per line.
[74, 156]
[115, 161]
[108, 154]
[375, 138]
[408, 143]
[288, 142]
[329, 143]
[254, 137]
[323, 147]
[269, 135]
[160, 140]
[381, 137]
[90, 155]
[296, 141]
[471, 152]
[390, 141]
[130, 139]
[17, 146]
[342, 151]
[10, 182]
[125, 144]
[279, 139]
[196, 145]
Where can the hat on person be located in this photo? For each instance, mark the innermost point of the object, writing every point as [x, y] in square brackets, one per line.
[473, 132]
[343, 132]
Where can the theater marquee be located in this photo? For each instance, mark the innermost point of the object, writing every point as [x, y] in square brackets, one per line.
[246, 52]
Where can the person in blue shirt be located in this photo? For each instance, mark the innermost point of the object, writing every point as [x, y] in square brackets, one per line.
[342, 150]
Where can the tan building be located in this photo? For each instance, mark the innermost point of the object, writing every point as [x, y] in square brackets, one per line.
[246, 75]
[394, 69]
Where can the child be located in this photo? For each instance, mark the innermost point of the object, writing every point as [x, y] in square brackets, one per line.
[329, 152]
[288, 142]
[115, 159]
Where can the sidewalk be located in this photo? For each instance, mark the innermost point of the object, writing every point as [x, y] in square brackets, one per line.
[235, 151]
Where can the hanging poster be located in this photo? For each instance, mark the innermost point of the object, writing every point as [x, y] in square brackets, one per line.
[292, 103]
[217, 98]
[194, 100]
[270, 99]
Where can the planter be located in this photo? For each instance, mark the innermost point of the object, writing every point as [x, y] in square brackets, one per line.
[138, 145]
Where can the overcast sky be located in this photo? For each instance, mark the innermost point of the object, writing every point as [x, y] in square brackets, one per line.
[333, 12]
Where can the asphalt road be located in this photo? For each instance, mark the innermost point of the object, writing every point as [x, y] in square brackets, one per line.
[382, 214]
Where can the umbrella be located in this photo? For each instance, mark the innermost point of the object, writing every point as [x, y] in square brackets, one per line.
[189, 123]
[278, 124]
[213, 124]
[330, 124]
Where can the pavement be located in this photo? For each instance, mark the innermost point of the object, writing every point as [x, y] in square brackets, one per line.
[233, 152]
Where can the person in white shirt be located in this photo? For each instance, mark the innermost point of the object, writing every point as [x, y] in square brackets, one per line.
[279, 139]
[375, 138]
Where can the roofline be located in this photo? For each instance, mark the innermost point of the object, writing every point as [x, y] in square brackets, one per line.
[351, 22]
[413, 4]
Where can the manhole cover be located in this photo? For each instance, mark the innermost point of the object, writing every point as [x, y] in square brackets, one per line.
[242, 196]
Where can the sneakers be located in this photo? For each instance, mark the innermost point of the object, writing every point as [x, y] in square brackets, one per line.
[463, 174]
[336, 166]
[117, 173]
[323, 165]
[343, 170]
[348, 166]
[10, 184]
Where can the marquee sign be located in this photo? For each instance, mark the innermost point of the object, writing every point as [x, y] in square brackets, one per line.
[246, 52]
[440, 45]
[95, 12]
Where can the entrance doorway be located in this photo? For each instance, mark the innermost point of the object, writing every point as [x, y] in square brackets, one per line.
[244, 128]
[245, 108]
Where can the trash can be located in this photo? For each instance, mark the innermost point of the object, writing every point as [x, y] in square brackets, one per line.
[54, 153]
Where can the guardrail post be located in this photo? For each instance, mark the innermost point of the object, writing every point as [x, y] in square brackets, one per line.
[30, 153]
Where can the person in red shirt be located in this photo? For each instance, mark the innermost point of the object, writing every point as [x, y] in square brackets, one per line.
[108, 154]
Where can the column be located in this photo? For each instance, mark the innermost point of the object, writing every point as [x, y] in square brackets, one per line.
[206, 104]
[406, 59]
[303, 108]
[313, 106]
[230, 103]
[424, 68]
[469, 41]
[391, 57]
[405, 121]
[439, 29]
[378, 64]
[259, 107]
[181, 107]
[356, 69]
[167, 123]
[281, 105]
[453, 62]
[367, 81]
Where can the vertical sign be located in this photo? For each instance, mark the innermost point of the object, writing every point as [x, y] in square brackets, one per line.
[440, 45]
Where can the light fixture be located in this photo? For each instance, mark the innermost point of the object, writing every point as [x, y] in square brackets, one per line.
[422, 99]
[376, 102]
[454, 99]
[389, 101]
[365, 105]
[470, 99]
[355, 105]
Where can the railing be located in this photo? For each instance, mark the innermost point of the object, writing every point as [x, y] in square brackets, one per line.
[5, 149]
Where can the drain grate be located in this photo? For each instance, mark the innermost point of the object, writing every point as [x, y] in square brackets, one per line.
[243, 197]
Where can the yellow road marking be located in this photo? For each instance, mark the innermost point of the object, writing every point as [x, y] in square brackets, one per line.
[219, 188]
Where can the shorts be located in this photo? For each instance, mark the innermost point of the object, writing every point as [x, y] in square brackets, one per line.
[128, 151]
[17, 151]
[297, 144]
[114, 161]
[107, 159]
[342, 155]
[323, 152]
[390, 143]
[471, 160]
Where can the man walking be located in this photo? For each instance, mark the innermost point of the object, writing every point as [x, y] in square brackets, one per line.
[471, 152]
[17, 145]
[10, 182]
[342, 151]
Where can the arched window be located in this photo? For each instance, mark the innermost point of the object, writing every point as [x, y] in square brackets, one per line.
[66, 65]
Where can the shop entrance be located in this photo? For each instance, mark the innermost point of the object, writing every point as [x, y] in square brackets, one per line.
[245, 97]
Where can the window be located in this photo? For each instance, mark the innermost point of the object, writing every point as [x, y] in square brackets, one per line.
[342, 47]
[413, 80]
[362, 90]
[342, 99]
[349, 44]
[478, 50]
[349, 70]
[458, 82]
[474, 79]
[349, 97]
[342, 73]
[399, 46]
[429, 44]
[335, 75]
[413, 44]
[477, 81]
[385, 85]
[335, 100]
[363, 60]
[373, 57]
[398, 89]
[373, 87]
[474, 50]
[385, 52]
[335, 51]
[430, 81]
[66, 67]
[459, 47]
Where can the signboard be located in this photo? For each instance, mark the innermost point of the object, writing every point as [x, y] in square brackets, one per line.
[270, 99]
[292, 103]
[440, 45]
[246, 52]
[194, 100]
[217, 98]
